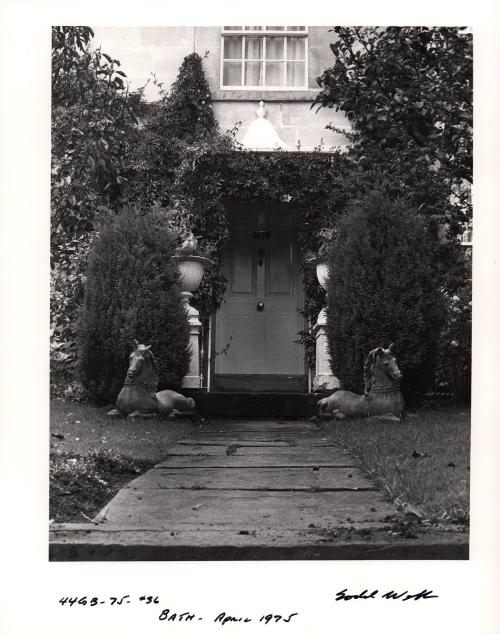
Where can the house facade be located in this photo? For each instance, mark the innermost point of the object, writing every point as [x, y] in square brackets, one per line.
[263, 81]
[243, 65]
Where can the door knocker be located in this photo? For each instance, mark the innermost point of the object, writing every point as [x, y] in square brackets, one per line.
[260, 256]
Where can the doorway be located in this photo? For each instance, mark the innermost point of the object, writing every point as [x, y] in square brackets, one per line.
[258, 323]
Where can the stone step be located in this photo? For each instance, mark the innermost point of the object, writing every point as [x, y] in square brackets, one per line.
[84, 542]
[254, 404]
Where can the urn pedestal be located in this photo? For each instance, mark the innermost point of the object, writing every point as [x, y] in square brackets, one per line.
[323, 377]
[191, 268]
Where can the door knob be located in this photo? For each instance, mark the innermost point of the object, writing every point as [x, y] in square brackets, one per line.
[260, 305]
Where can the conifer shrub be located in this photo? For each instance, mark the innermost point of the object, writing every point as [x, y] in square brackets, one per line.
[187, 112]
[383, 288]
[132, 292]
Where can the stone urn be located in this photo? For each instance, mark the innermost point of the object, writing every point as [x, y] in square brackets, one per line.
[321, 265]
[322, 272]
[191, 268]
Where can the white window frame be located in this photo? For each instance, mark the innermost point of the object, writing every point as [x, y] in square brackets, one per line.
[264, 33]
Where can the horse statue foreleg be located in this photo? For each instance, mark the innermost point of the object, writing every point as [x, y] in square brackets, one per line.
[342, 404]
[141, 415]
[115, 413]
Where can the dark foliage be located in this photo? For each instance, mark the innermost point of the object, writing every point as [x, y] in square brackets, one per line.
[383, 288]
[453, 374]
[187, 111]
[178, 132]
[132, 292]
[407, 92]
[67, 289]
[93, 126]
[315, 184]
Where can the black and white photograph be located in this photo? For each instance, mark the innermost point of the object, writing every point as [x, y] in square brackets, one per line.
[261, 292]
[250, 288]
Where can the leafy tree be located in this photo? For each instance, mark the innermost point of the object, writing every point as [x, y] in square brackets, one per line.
[383, 288]
[93, 126]
[132, 292]
[407, 92]
[453, 373]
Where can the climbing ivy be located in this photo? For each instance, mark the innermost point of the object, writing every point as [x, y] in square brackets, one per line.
[314, 184]
[184, 164]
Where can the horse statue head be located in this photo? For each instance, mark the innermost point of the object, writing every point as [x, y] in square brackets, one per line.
[143, 368]
[381, 372]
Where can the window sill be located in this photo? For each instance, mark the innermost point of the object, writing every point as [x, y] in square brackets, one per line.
[264, 94]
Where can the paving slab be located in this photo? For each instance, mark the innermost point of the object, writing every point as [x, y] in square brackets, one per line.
[190, 460]
[262, 449]
[250, 490]
[269, 478]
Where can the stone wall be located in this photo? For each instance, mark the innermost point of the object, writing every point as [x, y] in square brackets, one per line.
[160, 50]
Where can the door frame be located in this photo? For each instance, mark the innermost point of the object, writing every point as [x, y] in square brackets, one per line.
[255, 382]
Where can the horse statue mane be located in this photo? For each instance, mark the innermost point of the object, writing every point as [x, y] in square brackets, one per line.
[138, 396]
[381, 397]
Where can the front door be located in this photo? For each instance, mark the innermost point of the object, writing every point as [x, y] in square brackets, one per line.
[257, 325]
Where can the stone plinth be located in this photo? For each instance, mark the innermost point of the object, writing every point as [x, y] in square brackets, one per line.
[191, 268]
[323, 379]
[192, 379]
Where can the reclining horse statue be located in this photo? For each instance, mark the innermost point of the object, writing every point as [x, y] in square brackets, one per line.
[138, 396]
[382, 395]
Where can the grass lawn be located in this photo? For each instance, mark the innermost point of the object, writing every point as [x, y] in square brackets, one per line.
[92, 455]
[424, 461]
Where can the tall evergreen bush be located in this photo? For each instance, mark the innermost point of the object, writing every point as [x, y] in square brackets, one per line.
[383, 288]
[187, 110]
[132, 292]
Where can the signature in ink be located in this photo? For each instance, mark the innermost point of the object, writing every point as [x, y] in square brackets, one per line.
[343, 595]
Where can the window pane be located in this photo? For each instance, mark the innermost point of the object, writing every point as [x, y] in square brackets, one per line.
[296, 74]
[295, 48]
[275, 47]
[275, 74]
[253, 48]
[232, 47]
[253, 73]
[243, 57]
[231, 75]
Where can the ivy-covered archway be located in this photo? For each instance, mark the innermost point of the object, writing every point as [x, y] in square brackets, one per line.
[313, 183]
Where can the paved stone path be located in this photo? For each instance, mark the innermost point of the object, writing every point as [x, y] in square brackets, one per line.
[249, 490]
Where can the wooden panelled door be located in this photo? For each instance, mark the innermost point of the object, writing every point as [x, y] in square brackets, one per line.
[257, 325]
